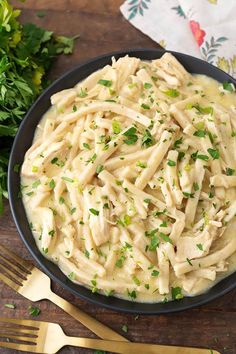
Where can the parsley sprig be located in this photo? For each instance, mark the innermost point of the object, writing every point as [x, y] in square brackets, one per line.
[27, 53]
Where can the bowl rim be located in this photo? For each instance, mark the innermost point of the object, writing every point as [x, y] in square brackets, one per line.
[111, 303]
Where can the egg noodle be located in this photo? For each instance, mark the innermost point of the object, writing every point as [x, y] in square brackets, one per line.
[130, 184]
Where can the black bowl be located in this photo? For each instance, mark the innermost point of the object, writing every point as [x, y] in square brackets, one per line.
[23, 141]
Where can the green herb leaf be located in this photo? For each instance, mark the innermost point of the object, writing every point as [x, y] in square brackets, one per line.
[176, 293]
[166, 238]
[199, 246]
[229, 171]
[131, 136]
[171, 163]
[145, 106]
[116, 127]
[147, 85]
[10, 306]
[228, 86]
[200, 133]
[106, 83]
[94, 211]
[147, 139]
[214, 153]
[172, 93]
[34, 311]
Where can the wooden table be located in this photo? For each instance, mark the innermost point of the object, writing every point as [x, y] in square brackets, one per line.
[103, 29]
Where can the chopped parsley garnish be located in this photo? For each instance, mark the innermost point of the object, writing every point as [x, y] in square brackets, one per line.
[120, 261]
[74, 108]
[35, 169]
[229, 171]
[72, 211]
[188, 195]
[10, 306]
[214, 153]
[106, 83]
[136, 280]
[141, 164]
[228, 86]
[147, 85]
[200, 133]
[94, 211]
[181, 155]
[155, 273]
[36, 184]
[61, 200]
[116, 127]
[86, 253]
[176, 293]
[147, 139]
[86, 146]
[199, 246]
[189, 261]
[106, 206]
[145, 106]
[71, 276]
[195, 186]
[91, 159]
[172, 93]
[166, 238]
[127, 220]
[163, 224]
[99, 169]
[124, 328]
[154, 78]
[82, 93]
[131, 136]
[171, 163]
[52, 184]
[132, 294]
[200, 109]
[196, 156]
[34, 311]
[67, 179]
[177, 143]
[51, 233]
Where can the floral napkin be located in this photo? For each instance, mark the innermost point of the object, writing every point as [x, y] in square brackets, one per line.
[202, 28]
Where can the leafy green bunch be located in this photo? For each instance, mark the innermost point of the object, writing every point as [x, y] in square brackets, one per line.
[26, 54]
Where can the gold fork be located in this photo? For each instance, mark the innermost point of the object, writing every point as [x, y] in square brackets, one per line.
[46, 337]
[23, 277]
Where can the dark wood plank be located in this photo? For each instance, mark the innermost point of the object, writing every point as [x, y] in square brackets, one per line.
[102, 29]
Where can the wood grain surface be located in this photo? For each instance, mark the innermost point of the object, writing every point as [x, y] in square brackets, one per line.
[103, 29]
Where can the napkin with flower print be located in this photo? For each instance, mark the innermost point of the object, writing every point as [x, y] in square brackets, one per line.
[203, 28]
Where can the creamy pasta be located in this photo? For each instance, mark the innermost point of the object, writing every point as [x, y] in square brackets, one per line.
[130, 183]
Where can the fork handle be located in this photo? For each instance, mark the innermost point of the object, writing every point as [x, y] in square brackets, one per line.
[95, 326]
[133, 348]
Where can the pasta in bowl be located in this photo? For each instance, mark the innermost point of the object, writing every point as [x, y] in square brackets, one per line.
[129, 186]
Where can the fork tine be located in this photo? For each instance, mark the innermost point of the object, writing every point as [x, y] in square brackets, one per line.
[22, 347]
[22, 262]
[25, 323]
[9, 282]
[13, 266]
[19, 330]
[29, 340]
[9, 272]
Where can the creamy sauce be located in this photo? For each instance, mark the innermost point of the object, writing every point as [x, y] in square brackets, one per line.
[199, 84]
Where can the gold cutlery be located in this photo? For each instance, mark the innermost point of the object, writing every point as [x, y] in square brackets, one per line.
[23, 277]
[46, 337]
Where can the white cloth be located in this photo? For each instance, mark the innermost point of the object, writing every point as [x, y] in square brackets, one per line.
[202, 28]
